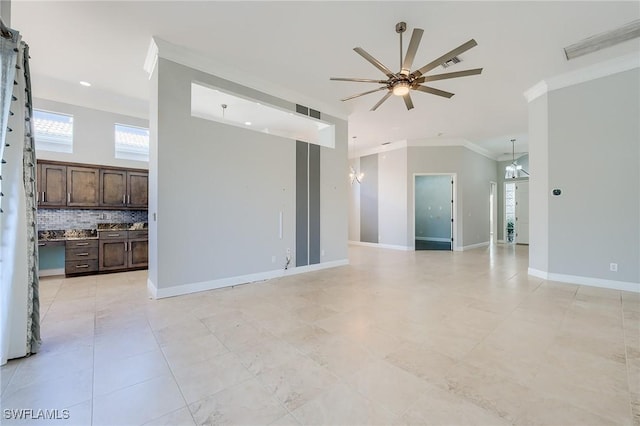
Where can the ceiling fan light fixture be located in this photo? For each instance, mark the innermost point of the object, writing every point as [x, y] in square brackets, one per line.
[401, 88]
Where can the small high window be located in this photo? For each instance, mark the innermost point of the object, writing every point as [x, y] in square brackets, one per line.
[53, 131]
[132, 143]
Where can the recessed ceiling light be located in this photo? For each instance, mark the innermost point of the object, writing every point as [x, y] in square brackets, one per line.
[85, 84]
[247, 123]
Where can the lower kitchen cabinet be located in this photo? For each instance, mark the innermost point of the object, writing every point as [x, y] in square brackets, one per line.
[113, 254]
[122, 250]
[81, 257]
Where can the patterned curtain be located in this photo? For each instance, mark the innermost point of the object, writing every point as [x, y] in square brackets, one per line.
[19, 256]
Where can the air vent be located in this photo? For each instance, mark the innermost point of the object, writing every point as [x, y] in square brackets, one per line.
[451, 61]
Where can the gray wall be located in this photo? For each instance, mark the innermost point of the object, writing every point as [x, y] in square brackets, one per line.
[219, 189]
[433, 207]
[369, 199]
[93, 135]
[474, 173]
[592, 127]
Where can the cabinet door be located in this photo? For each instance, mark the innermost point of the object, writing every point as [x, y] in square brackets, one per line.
[138, 189]
[82, 186]
[113, 255]
[138, 253]
[53, 185]
[113, 187]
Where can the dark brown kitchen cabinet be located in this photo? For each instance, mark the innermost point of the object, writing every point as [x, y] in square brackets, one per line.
[122, 250]
[138, 253]
[52, 185]
[124, 188]
[81, 256]
[82, 186]
[113, 254]
[75, 185]
[137, 189]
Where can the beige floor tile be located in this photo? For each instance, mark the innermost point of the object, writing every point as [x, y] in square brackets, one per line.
[422, 362]
[267, 354]
[181, 417]
[297, 381]
[247, 403]
[342, 405]
[50, 366]
[203, 379]
[388, 386]
[62, 392]
[186, 352]
[470, 334]
[110, 376]
[287, 420]
[340, 356]
[139, 403]
[437, 406]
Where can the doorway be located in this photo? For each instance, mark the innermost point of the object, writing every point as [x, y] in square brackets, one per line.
[433, 211]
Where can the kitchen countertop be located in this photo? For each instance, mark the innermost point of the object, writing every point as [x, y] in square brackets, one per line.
[88, 234]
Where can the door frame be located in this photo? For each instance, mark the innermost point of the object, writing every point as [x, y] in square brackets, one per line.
[493, 208]
[454, 195]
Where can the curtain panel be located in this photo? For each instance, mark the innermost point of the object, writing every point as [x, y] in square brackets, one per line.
[20, 301]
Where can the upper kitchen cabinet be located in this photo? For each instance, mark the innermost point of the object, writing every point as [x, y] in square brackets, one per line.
[138, 189]
[52, 185]
[76, 185]
[82, 186]
[124, 188]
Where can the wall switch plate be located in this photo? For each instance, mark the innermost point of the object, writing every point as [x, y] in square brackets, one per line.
[613, 267]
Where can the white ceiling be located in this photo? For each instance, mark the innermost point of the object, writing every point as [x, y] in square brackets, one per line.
[299, 45]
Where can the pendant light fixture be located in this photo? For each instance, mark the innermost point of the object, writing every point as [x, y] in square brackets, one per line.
[514, 170]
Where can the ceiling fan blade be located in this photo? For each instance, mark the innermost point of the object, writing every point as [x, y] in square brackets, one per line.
[360, 80]
[384, 98]
[365, 93]
[407, 101]
[376, 63]
[411, 51]
[444, 58]
[433, 91]
[448, 75]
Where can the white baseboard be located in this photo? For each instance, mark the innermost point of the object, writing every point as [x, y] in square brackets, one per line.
[378, 245]
[588, 281]
[50, 272]
[440, 240]
[180, 290]
[471, 246]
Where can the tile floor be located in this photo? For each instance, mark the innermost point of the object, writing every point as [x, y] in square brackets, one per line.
[437, 338]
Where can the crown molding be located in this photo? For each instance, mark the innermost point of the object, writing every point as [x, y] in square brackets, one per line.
[582, 75]
[196, 60]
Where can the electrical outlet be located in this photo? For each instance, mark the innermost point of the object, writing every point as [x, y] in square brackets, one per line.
[273, 259]
[321, 252]
[288, 252]
[613, 267]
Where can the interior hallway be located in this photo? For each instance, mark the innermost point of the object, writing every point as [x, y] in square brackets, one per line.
[426, 337]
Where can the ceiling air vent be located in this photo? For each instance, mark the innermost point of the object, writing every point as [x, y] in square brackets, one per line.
[451, 61]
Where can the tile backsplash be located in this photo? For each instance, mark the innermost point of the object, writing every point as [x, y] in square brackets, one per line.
[51, 219]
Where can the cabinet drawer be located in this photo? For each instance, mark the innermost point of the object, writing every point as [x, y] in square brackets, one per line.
[110, 235]
[44, 243]
[90, 253]
[80, 266]
[143, 233]
[72, 244]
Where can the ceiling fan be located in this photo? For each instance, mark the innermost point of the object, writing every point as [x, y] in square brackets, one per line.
[403, 81]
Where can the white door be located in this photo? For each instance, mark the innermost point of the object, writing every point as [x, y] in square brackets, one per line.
[522, 212]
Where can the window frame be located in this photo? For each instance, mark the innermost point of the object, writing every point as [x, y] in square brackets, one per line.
[129, 153]
[60, 144]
